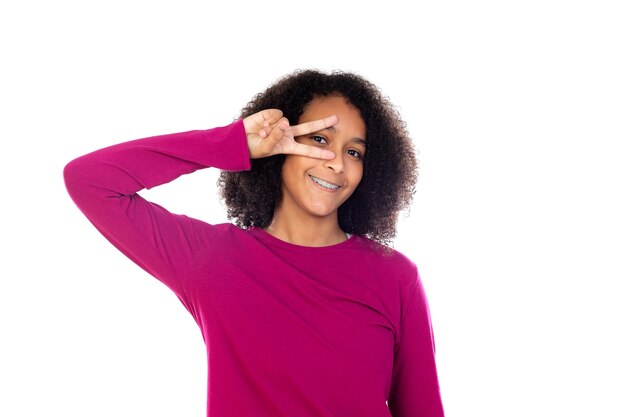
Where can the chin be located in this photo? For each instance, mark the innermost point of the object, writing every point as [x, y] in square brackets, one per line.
[323, 211]
[322, 214]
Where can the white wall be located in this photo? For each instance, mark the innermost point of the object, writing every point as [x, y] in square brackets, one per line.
[518, 110]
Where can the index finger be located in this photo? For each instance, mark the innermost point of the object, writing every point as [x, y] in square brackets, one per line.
[314, 126]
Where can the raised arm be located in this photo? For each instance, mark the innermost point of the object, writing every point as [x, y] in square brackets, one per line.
[104, 185]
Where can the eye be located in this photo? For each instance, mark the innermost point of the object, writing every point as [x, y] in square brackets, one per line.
[356, 154]
[319, 139]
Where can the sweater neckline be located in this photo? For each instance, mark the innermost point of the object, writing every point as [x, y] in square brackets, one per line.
[264, 235]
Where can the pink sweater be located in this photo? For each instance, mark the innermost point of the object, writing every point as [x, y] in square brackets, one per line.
[291, 331]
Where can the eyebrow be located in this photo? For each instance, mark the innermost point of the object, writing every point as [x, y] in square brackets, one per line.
[355, 139]
[360, 142]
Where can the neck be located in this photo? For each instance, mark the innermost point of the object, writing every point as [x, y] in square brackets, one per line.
[305, 230]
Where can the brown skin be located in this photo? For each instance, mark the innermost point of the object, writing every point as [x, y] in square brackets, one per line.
[307, 212]
[389, 168]
[268, 134]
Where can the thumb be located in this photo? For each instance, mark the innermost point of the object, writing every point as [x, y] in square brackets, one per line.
[278, 133]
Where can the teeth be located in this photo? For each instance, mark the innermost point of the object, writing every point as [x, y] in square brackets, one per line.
[324, 183]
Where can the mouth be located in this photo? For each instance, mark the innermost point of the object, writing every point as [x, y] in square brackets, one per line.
[325, 184]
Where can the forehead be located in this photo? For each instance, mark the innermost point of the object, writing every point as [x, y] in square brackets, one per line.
[323, 103]
[349, 116]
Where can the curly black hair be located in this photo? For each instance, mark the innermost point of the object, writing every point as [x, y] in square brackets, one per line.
[390, 166]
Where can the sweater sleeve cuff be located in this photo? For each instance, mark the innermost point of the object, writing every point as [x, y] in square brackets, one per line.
[240, 132]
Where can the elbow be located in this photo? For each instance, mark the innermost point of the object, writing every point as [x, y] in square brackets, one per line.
[77, 177]
[71, 174]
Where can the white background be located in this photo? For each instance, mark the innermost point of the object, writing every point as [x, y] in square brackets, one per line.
[517, 109]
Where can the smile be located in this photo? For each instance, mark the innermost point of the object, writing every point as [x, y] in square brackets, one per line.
[325, 184]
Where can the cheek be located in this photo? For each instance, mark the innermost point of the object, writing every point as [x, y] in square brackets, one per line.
[293, 168]
[357, 175]
[293, 164]
[290, 166]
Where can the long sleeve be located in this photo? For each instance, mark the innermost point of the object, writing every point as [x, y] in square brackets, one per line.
[290, 330]
[415, 386]
[104, 185]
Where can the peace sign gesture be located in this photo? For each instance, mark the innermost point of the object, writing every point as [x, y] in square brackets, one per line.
[269, 133]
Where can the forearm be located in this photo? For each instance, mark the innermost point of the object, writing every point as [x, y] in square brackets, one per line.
[126, 168]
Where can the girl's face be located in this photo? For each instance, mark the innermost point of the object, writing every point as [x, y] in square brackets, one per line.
[317, 187]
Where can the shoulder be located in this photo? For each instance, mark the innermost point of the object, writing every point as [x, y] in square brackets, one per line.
[388, 261]
[211, 239]
[227, 235]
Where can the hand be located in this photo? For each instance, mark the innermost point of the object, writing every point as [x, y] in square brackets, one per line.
[269, 133]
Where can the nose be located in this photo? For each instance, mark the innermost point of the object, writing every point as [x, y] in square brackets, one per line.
[336, 164]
